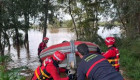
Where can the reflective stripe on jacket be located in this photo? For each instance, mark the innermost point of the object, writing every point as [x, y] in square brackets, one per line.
[96, 67]
[49, 70]
[113, 57]
[41, 74]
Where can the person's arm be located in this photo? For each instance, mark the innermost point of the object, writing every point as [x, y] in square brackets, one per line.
[54, 73]
[108, 54]
[39, 49]
[81, 56]
[80, 74]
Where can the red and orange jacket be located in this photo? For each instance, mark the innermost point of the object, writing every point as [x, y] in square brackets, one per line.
[49, 70]
[113, 57]
[41, 46]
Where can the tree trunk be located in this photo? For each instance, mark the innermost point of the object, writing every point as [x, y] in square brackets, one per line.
[26, 32]
[17, 42]
[94, 35]
[8, 40]
[138, 22]
[75, 28]
[46, 17]
[27, 41]
[1, 46]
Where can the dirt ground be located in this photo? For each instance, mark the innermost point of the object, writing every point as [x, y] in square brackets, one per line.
[122, 73]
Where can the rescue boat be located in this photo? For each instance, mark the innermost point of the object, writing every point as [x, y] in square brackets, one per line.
[70, 49]
[66, 47]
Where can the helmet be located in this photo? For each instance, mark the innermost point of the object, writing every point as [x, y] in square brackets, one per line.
[45, 38]
[109, 40]
[58, 56]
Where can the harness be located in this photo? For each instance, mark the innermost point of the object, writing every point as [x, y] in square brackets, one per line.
[115, 60]
[43, 74]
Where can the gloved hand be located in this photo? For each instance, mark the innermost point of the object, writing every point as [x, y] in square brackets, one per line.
[66, 71]
[71, 76]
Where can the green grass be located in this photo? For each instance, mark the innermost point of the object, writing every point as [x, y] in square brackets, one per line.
[130, 60]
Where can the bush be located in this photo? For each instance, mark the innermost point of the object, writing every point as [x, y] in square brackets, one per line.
[12, 74]
[130, 59]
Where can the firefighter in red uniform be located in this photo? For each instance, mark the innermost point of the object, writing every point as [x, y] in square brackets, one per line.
[49, 70]
[43, 45]
[113, 53]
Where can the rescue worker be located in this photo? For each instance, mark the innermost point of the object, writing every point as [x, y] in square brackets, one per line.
[43, 45]
[49, 70]
[95, 66]
[113, 53]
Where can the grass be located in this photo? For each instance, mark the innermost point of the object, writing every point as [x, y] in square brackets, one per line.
[130, 60]
[131, 65]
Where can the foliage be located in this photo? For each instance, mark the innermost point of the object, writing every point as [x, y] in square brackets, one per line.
[130, 59]
[128, 13]
[12, 74]
[85, 14]
[21, 41]
[67, 23]
[14, 16]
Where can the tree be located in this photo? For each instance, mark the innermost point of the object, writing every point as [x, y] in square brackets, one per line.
[85, 17]
[28, 10]
[46, 17]
[4, 25]
[128, 12]
[11, 12]
[70, 12]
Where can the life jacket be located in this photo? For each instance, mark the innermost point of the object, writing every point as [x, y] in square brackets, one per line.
[41, 73]
[42, 46]
[115, 59]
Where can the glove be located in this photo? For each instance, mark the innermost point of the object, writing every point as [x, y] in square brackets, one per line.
[71, 76]
[66, 71]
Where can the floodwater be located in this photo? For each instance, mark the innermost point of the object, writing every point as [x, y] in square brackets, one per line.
[55, 36]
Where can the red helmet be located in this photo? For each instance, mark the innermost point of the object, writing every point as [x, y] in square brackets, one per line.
[45, 38]
[58, 56]
[109, 40]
